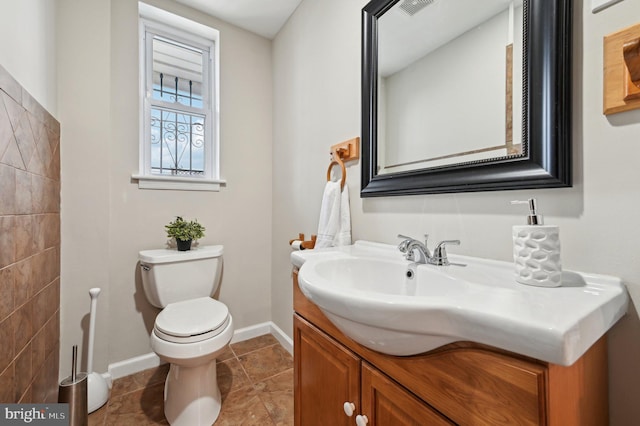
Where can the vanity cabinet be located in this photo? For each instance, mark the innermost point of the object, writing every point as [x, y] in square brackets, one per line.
[328, 375]
[462, 383]
[387, 404]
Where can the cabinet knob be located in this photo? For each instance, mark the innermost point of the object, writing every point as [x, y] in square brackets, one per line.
[361, 420]
[349, 408]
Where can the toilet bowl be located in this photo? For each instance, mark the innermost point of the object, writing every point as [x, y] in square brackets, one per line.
[190, 332]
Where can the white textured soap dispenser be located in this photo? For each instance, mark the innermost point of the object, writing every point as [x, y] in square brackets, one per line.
[536, 250]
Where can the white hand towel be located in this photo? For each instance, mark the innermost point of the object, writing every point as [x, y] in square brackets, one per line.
[343, 238]
[334, 226]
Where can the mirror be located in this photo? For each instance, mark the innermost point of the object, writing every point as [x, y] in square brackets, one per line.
[461, 95]
[425, 51]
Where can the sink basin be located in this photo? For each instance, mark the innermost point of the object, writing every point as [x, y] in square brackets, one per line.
[382, 301]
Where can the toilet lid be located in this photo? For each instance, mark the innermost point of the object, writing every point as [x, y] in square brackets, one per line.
[191, 320]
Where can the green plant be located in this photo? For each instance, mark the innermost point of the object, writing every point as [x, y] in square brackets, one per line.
[182, 230]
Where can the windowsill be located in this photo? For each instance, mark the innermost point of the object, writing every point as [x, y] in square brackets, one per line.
[178, 183]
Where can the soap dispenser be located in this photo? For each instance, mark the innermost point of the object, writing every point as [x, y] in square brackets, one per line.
[536, 250]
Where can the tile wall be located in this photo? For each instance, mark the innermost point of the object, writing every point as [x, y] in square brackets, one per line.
[29, 247]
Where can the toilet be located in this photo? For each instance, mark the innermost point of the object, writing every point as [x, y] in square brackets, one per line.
[191, 330]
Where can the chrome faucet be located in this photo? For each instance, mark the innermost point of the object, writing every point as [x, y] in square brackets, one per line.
[410, 247]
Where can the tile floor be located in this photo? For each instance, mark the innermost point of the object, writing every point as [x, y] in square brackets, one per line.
[255, 379]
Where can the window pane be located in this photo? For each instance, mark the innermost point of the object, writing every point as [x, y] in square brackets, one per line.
[177, 72]
[177, 143]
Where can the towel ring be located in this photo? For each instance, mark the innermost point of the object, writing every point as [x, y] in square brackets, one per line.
[335, 160]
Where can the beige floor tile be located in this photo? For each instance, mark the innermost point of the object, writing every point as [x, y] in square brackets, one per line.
[139, 380]
[97, 418]
[141, 407]
[124, 385]
[277, 395]
[231, 377]
[251, 345]
[152, 376]
[243, 407]
[256, 387]
[226, 354]
[266, 362]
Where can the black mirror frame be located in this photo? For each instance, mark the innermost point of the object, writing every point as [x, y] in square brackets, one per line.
[546, 114]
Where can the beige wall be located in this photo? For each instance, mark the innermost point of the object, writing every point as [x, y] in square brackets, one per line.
[106, 219]
[27, 51]
[83, 87]
[317, 103]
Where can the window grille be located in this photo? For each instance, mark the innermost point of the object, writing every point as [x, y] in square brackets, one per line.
[177, 143]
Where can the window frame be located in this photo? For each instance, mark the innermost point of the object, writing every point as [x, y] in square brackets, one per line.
[157, 22]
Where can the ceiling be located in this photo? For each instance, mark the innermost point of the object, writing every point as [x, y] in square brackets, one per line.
[403, 39]
[259, 16]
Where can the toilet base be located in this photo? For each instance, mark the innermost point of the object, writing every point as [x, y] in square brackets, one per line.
[191, 395]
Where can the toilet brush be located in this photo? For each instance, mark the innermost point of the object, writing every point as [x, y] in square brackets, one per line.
[97, 387]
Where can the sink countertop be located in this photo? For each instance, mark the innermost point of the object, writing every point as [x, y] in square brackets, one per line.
[481, 302]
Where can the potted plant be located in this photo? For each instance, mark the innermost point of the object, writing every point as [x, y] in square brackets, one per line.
[184, 232]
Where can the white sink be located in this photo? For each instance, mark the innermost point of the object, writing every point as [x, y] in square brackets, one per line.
[380, 300]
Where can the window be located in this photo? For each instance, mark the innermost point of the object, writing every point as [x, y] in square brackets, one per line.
[179, 103]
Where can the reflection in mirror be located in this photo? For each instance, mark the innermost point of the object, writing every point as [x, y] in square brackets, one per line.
[465, 95]
[450, 83]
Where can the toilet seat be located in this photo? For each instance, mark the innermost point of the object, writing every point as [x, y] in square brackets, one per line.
[192, 320]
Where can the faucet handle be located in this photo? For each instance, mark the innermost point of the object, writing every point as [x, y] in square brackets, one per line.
[449, 242]
[440, 252]
[404, 244]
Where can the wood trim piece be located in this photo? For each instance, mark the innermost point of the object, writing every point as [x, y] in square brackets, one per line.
[578, 394]
[631, 52]
[473, 386]
[509, 99]
[616, 74]
[348, 150]
[385, 403]
[305, 245]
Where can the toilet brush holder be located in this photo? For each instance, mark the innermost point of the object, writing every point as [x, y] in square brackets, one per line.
[73, 391]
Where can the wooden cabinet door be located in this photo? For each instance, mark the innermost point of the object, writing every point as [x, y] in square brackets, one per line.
[330, 377]
[386, 403]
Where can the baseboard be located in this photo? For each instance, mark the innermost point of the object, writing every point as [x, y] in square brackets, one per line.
[133, 365]
[282, 337]
[250, 332]
[261, 329]
[151, 360]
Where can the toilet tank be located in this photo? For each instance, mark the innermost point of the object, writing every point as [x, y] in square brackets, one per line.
[170, 276]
